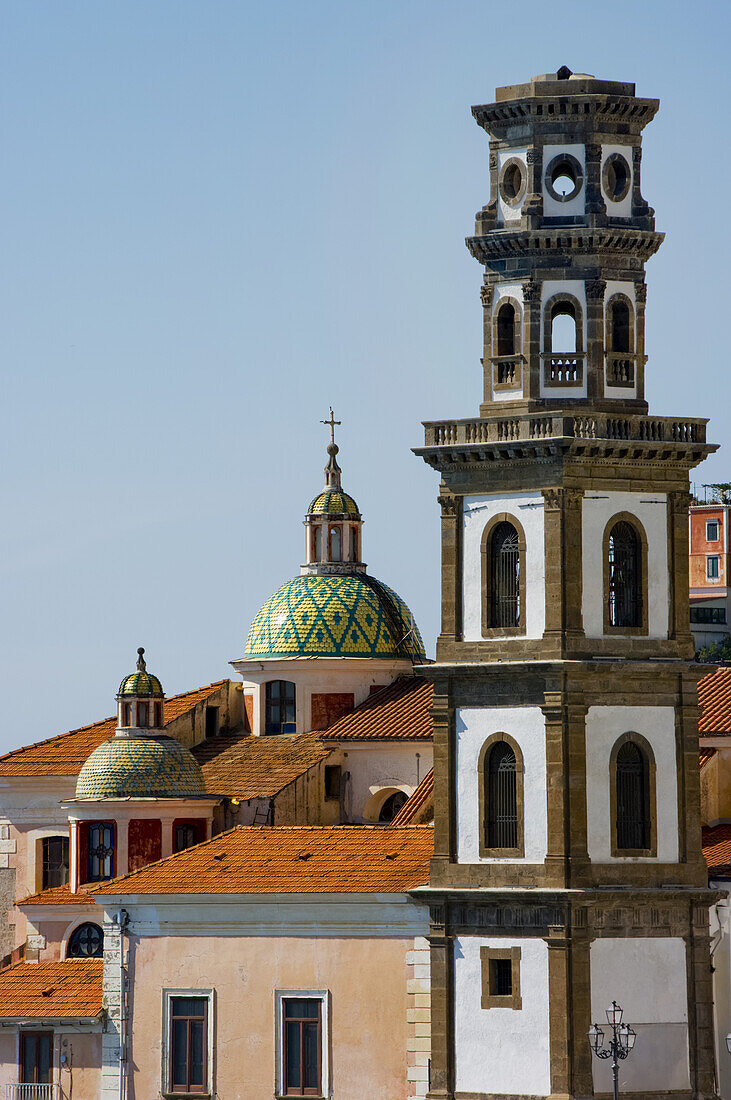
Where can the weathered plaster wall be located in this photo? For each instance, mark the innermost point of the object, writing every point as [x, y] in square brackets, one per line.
[376, 770]
[604, 726]
[78, 1078]
[368, 1016]
[526, 725]
[651, 510]
[478, 511]
[647, 977]
[491, 1044]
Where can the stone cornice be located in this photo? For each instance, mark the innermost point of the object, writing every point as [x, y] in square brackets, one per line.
[566, 242]
[597, 111]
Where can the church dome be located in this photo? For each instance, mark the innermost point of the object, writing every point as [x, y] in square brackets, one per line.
[140, 767]
[335, 615]
[333, 502]
[141, 683]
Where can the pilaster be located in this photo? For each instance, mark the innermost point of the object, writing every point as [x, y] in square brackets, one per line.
[441, 943]
[451, 506]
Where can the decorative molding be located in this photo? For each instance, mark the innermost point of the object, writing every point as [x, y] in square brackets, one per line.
[595, 288]
[641, 293]
[450, 505]
[486, 296]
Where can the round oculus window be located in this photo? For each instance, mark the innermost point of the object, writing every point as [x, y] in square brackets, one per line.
[616, 177]
[564, 178]
[512, 181]
[86, 942]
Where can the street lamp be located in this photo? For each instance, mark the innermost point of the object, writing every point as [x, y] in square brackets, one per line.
[620, 1043]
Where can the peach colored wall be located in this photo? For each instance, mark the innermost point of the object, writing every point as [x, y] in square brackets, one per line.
[80, 1078]
[367, 983]
[700, 547]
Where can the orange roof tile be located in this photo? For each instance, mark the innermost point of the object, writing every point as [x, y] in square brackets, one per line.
[290, 859]
[419, 808]
[256, 767]
[65, 753]
[52, 990]
[714, 696]
[717, 850]
[400, 712]
[58, 895]
[705, 755]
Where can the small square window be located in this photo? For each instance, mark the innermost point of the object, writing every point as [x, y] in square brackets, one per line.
[712, 530]
[712, 567]
[500, 977]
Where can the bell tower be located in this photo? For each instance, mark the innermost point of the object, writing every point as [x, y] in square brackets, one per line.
[568, 871]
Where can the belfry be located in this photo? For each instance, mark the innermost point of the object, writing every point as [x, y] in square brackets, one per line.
[568, 870]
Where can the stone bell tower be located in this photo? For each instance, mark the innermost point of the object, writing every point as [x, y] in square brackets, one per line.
[568, 871]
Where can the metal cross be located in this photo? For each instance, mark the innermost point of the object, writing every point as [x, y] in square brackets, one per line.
[331, 423]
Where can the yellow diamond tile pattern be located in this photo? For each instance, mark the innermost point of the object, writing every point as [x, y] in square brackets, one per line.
[334, 616]
[140, 767]
[333, 502]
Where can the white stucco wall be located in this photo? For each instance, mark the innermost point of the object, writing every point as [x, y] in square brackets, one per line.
[507, 213]
[379, 769]
[615, 286]
[551, 208]
[651, 510]
[478, 512]
[577, 288]
[501, 1050]
[647, 977]
[604, 726]
[526, 725]
[623, 208]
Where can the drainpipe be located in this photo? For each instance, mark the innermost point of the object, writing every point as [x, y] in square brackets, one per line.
[121, 921]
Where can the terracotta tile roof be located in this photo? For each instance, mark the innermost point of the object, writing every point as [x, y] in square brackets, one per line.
[52, 990]
[291, 859]
[256, 767]
[65, 753]
[714, 696]
[58, 895]
[400, 712]
[706, 755]
[717, 850]
[419, 807]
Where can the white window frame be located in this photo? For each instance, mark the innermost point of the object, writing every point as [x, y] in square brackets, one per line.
[322, 995]
[709, 575]
[209, 994]
[716, 524]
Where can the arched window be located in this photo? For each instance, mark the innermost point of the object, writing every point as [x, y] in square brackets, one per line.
[504, 608]
[86, 942]
[280, 707]
[506, 329]
[632, 799]
[336, 544]
[619, 325]
[564, 329]
[391, 807]
[624, 576]
[317, 544]
[100, 851]
[500, 780]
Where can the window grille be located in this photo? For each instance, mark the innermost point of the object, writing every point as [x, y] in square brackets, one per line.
[86, 942]
[625, 576]
[504, 596]
[620, 326]
[633, 818]
[506, 330]
[502, 797]
[712, 569]
[101, 851]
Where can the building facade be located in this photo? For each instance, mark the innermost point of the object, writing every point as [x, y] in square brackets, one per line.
[567, 870]
[709, 575]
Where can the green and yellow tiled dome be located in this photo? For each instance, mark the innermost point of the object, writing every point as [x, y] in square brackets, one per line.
[141, 683]
[333, 502]
[140, 767]
[334, 615]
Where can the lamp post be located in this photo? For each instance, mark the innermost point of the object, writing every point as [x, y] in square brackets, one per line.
[619, 1044]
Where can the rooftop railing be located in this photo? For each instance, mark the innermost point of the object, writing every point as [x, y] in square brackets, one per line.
[523, 428]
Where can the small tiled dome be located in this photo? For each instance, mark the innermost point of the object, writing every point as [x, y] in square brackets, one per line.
[334, 615]
[140, 767]
[333, 502]
[141, 682]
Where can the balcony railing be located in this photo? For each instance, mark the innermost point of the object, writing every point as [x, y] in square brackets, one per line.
[644, 429]
[32, 1092]
[620, 370]
[507, 372]
[563, 370]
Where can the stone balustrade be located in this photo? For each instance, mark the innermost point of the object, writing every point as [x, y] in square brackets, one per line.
[526, 427]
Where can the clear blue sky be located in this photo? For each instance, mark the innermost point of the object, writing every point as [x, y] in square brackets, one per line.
[216, 219]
